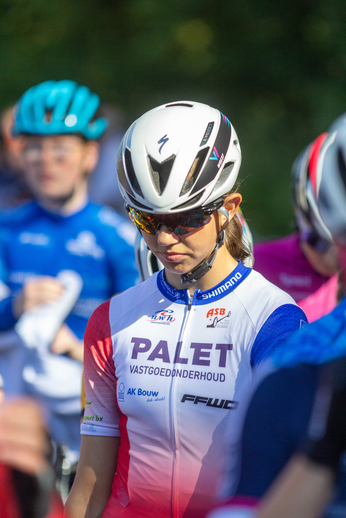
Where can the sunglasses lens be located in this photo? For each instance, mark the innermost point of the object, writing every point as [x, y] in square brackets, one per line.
[179, 224]
[142, 220]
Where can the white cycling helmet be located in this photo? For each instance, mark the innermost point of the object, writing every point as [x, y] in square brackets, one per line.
[178, 157]
[332, 188]
[306, 176]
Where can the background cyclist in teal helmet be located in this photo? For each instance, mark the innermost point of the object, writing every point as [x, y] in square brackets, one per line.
[60, 254]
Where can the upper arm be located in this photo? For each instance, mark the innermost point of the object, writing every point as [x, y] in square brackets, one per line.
[102, 415]
[277, 328]
[95, 473]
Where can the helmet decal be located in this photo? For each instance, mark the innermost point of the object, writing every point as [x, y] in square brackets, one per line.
[313, 161]
[217, 157]
[207, 134]
[162, 141]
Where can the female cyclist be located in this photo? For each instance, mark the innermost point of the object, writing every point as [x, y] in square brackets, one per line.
[167, 360]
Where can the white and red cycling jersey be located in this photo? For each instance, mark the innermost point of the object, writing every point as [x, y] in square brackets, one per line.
[163, 370]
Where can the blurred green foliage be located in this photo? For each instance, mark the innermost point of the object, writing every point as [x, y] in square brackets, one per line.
[276, 69]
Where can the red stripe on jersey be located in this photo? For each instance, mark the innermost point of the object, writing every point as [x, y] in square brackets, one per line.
[313, 161]
[120, 483]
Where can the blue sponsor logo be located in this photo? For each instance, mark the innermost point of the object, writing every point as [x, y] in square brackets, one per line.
[121, 392]
[142, 392]
[165, 317]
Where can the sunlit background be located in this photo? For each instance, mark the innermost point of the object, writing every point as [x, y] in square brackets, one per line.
[276, 69]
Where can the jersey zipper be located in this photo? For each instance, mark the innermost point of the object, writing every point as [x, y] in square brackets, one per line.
[174, 402]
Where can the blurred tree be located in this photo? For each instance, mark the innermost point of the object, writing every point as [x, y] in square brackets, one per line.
[276, 69]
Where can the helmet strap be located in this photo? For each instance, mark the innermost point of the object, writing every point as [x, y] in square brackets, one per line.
[204, 267]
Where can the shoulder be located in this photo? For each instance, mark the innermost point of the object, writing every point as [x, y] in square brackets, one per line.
[15, 216]
[135, 296]
[323, 340]
[276, 246]
[113, 222]
[261, 297]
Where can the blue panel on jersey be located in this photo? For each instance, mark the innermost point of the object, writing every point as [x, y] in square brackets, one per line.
[237, 276]
[278, 327]
[323, 340]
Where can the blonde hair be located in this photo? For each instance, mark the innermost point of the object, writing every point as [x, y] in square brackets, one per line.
[234, 243]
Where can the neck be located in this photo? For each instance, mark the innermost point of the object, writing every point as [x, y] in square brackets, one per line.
[223, 265]
[65, 205]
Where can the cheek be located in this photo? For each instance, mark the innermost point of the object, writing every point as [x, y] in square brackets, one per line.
[148, 239]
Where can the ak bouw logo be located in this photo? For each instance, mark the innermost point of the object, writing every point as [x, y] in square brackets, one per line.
[217, 317]
[165, 317]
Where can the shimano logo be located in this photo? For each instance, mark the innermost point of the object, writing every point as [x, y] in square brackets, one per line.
[227, 404]
[224, 287]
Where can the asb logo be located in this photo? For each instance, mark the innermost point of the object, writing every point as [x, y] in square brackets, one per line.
[218, 317]
[165, 317]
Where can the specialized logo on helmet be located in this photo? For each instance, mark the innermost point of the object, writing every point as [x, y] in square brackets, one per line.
[218, 317]
[162, 141]
[162, 317]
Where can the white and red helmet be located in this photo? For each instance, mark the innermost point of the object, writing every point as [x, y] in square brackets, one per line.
[307, 175]
[177, 157]
[332, 189]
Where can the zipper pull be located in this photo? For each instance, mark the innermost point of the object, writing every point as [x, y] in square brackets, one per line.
[190, 303]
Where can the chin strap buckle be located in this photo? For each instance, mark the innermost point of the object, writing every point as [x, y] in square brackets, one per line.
[203, 267]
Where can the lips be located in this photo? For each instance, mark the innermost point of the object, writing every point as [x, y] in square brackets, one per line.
[172, 256]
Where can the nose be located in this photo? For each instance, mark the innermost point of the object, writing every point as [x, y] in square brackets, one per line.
[165, 237]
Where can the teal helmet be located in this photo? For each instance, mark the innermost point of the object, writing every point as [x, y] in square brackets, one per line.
[58, 108]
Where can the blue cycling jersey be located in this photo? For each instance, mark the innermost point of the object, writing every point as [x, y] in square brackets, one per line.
[278, 416]
[96, 242]
[93, 247]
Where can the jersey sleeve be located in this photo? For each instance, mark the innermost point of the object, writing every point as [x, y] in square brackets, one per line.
[124, 266]
[276, 329]
[101, 415]
[119, 235]
[7, 318]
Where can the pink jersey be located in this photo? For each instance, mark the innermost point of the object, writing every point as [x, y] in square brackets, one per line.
[322, 302]
[283, 263]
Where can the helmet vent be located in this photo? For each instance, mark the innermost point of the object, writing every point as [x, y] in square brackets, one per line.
[160, 172]
[224, 175]
[179, 104]
[138, 205]
[121, 174]
[192, 201]
[194, 171]
[342, 166]
[131, 173]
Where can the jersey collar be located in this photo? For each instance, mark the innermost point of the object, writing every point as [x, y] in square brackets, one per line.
[219, 291]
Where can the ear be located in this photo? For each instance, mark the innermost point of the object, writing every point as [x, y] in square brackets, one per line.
[91, 156]
[231, 204]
